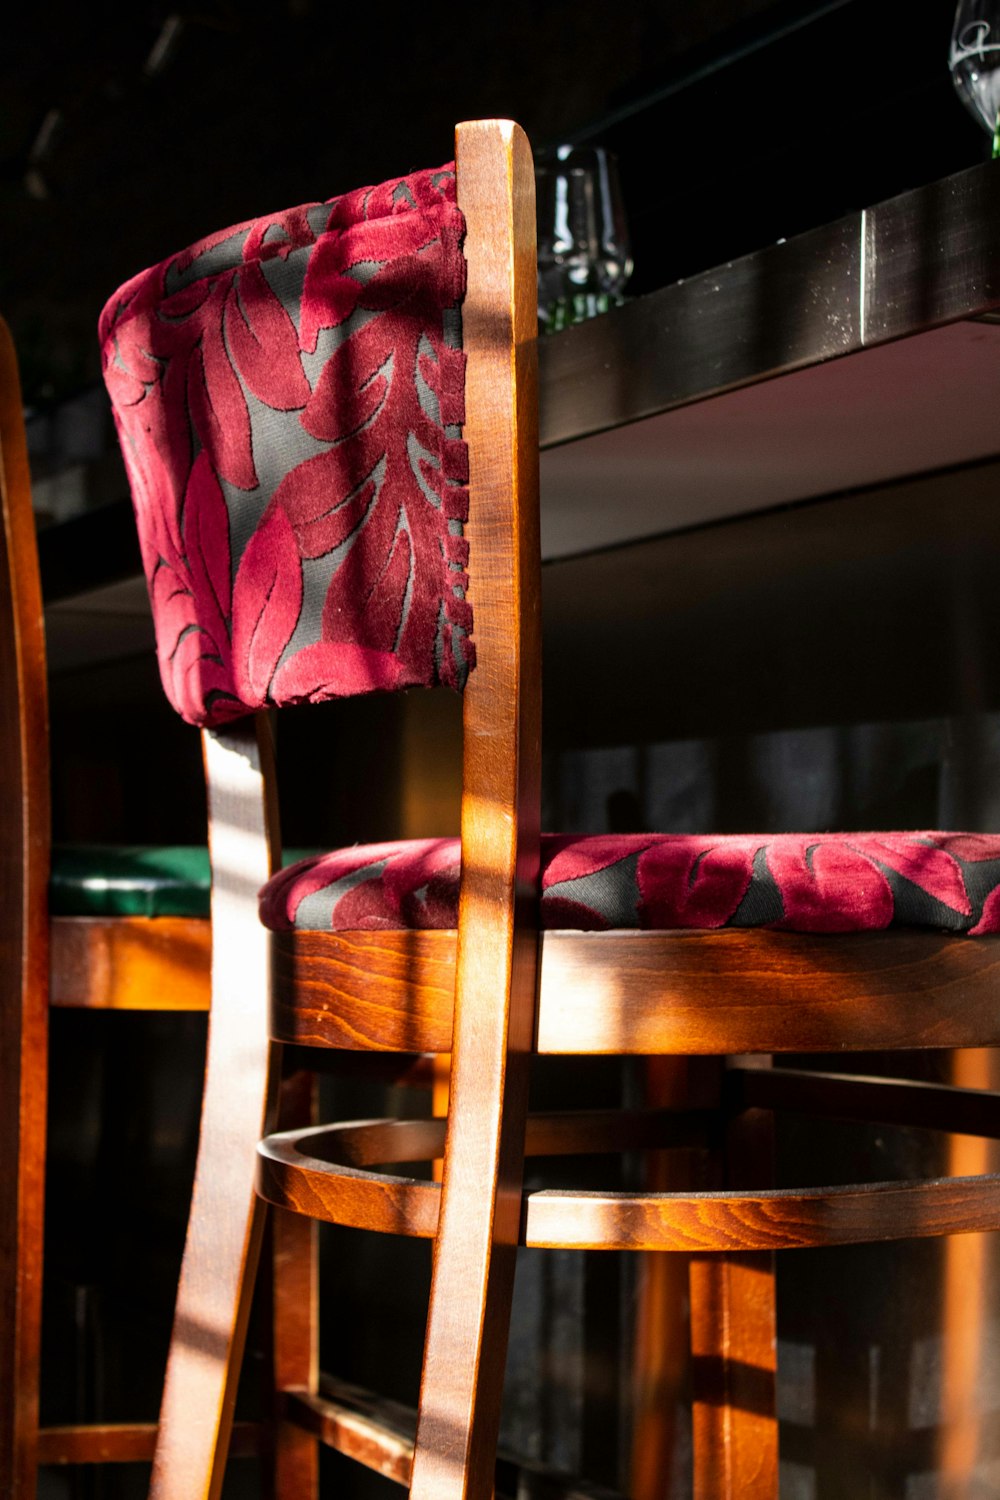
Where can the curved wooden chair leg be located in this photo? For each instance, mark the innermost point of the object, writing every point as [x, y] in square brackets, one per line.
[24, 954]
[226, 1219]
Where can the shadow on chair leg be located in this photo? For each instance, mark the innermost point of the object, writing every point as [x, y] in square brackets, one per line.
[226, 1222]
[294, 1329]
[734, 1344]
[661, 1323]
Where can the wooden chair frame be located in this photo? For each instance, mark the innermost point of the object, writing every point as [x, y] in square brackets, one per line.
[492, 994]
[130, 963]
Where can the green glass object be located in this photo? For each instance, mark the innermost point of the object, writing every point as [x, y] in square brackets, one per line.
[116, 880]
[566, 311]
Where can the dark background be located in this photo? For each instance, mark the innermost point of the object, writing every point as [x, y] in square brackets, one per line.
[127, 131]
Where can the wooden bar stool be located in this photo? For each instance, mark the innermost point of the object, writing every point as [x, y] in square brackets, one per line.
[335, 563]
[74, 935]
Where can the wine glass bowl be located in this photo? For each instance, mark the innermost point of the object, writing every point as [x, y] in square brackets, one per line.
[974, 59]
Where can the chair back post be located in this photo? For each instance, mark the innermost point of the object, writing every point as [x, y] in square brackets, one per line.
[226, 1220]
[24, 877]
[497, 963]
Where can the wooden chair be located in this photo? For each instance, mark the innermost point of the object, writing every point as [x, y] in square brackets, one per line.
[489, 988]
[104, 962]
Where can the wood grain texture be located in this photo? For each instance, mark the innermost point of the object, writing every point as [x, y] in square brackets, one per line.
[734, 1353]
[379, 1434]
[327, 1171]
[496, 961]
[331, 1173]
[772, 1219]
[122, 1443]
[293, 1263]
[357, 1424]
[661, 1319]
[968, 1297]
[734, 1334]
[24, 953]
[131, 963]
[226, 1217]
[643, 993]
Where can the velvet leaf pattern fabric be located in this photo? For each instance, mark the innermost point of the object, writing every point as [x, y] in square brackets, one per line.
[289, 396]
[842, 882]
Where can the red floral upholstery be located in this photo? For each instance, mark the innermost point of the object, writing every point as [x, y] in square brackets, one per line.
[288, 395]
[849, 882]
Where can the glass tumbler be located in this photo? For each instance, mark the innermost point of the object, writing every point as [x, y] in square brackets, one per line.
[584, 258]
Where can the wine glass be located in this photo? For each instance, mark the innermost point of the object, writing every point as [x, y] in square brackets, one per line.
[584, 258]
[974, 60]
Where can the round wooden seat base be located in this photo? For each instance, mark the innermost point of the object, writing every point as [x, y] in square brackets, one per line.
[631, 992]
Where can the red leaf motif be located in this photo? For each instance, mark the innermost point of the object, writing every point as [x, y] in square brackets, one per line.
[336, 670]
[123, 387]
[330, 294]
[188, 299]
[682, 885]
[927, 866]
[990, 919]
[218, 405]
[345, 397]
[173, 607]
[360, 608]
[264, 343]
[325, 498]
[568, 857]
[267, 598]
[430, 867]
[284, 892]
[403, 281]
[365, 908]
[295, 232]
[969, 846]
[826, 886]
[194, 673]
[206, 540]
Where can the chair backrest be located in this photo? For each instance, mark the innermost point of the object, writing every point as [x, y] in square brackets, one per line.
[286, 562]
[24, 874]
[289, 394]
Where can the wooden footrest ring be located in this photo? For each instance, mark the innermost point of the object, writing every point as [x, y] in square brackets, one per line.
[325, 1173]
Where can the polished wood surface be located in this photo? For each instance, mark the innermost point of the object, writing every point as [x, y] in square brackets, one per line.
[293, 1264]
[689, 992]
[328, 1172]
[493, 992]
[496, 959]
[661, 1333]
[734, 1358]
[734, 1332]
[226, 1218]
[122, 1443]
[372, 1431]
[24, 953]
[130, 963]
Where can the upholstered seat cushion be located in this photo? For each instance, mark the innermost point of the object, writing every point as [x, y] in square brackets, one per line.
[844, 882]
